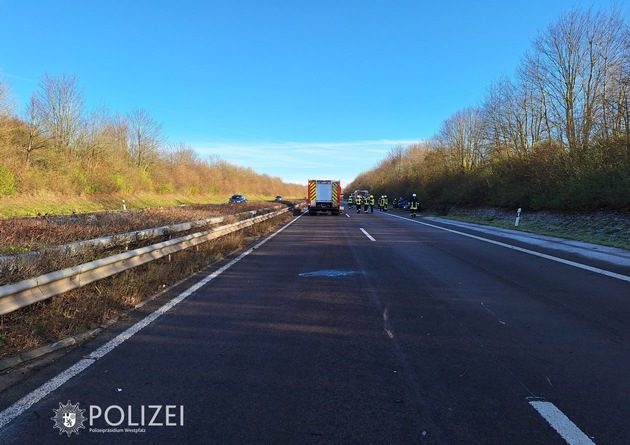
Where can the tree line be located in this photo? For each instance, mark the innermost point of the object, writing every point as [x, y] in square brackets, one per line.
[555, 135]
[57, 146]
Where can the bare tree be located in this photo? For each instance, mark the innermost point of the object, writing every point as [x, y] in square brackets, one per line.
[181, 154]
[514, 115]
[615, 88]
[59, 107]
[95, 141]
[145, 138]
[505, 120]
[118, 134]
[395, 159]
[575, 65]
[34, 140]
[529, 73]
[6, 110]
[463, 136]
[6, 103]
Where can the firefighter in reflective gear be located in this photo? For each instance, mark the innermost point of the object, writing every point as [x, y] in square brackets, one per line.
[380, 203]
[358, 203]
[385, 203]
[413, 205]
[350, 199]
[366, 203]
[371, 203]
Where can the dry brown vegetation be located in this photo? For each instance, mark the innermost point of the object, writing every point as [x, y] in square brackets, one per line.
[90, 306]
[22, 234]
[59, 146]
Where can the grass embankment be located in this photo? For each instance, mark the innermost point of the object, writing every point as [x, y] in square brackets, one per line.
[604, 228]
[55, 204]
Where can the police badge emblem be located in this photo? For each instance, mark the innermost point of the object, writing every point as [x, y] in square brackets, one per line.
[69, 418]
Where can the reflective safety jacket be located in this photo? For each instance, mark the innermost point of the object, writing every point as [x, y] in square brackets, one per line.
[372, 199]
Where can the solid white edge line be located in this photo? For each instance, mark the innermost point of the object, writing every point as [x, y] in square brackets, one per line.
[19, 407]
[561, 423]
[527, 251]
[370, 237]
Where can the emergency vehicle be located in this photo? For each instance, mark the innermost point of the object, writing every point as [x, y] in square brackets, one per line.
[324, 195]
[364, 194]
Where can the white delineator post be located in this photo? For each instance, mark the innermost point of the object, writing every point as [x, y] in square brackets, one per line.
[518, 217]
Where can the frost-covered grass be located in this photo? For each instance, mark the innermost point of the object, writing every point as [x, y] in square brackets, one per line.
[604, 228]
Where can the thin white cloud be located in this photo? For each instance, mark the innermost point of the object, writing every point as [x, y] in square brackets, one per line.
[263, 148]
[297, 161]
[13, 76]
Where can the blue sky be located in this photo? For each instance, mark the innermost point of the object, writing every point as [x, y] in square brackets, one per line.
[291, 88]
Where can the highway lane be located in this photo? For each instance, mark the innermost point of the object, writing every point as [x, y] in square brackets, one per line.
[560, 331]
[323, 335]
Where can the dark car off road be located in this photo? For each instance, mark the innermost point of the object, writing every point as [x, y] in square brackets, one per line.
[237, 199]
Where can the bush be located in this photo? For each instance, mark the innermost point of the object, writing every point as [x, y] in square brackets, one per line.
[8, 184]
[598, 188]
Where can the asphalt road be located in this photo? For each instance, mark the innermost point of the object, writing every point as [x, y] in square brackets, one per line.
[354, 329]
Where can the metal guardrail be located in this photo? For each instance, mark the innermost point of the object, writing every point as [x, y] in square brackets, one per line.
[125, 239]
[26, 292]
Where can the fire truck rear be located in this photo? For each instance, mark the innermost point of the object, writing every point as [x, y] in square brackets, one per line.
[324, 195]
